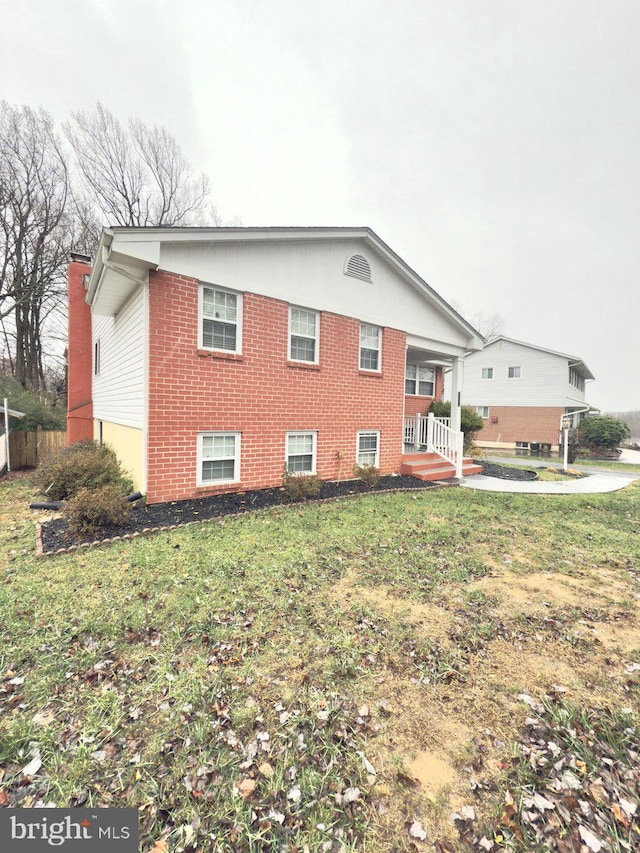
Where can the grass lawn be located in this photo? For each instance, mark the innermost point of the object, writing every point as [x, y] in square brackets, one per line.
[335, 677]
[536, 461]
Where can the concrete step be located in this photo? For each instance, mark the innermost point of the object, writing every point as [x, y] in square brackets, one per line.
[430, 466]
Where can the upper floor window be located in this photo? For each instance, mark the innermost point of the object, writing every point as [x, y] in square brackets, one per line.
[220, 319]
[368, 451]
[575, 379]
[301, 452]
[487, 372]
[420, 380]
[370, 347]
[218, 458]
[513, 373]
[359, 267]
[303, 335]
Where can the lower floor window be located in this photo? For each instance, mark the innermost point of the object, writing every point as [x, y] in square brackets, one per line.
[419, 381]
[301, 452]
[368, 448]
[483, 411]
[219, 457]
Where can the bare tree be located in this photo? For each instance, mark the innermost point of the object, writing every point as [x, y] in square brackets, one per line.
[135, 175]
[33, 235]
[490, 324]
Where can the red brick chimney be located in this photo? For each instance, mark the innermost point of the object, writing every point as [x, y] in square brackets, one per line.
[79, 357]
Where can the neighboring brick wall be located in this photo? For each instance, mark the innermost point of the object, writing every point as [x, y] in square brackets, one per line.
[260, 394]
[522, 423]
[421, 405]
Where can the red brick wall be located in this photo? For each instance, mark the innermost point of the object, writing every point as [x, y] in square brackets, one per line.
[421, 405]
[79, 357]
[522, 423]
[260, 394]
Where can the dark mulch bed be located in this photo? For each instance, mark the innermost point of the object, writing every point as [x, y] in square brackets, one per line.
[502, 472]
[56, 534]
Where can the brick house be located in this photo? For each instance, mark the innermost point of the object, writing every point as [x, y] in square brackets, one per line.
[210, 358]
[523, 392]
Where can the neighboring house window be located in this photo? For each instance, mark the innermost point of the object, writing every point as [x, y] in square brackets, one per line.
[221, 319]
[419, 380]
[514, 373]
[218, 458]
[369, 347]
[301, 452]
[487, 372]
[96, 357]
[483, 411]
[368, 448]
[359, 267]
[575, 379]
[303, 337]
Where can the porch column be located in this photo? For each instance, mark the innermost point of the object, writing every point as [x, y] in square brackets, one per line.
[456, 393]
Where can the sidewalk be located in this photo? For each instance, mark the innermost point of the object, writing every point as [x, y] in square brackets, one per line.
[594, 484]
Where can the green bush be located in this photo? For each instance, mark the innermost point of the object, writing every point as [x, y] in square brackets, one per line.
[90, 510]
[84, 465]
[603, 433]
[300, 487]
[470, 421]
[48, 414]
[369, 474]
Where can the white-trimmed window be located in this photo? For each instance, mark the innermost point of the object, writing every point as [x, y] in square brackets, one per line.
[513, 372]
[420, 381]
[301, 452]
[487, 372]
[220, 319]
[483, 411]
[218, 458]
[370, 344]
[368, 448]
[303, 335]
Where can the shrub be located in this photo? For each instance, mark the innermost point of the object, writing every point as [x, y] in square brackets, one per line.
[603, 433]
[81, 466]
[90, 510]
[300, 487]
[470, 421]
[42, 411]
[369, 474]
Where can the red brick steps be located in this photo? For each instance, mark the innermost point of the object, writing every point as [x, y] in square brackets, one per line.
[430, 466]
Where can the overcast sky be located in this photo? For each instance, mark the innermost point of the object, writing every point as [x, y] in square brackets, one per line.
[493, 144]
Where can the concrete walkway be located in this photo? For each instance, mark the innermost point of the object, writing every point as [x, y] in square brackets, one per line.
[611, 481]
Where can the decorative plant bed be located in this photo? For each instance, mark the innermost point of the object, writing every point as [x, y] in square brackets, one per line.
[503, 472]
[56, 536]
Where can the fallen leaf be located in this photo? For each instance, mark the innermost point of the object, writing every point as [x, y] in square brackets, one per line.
[159, 847]
[416, 831]
[246, 788]
[592, 841]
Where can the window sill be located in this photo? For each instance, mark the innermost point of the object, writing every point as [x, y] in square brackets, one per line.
[218, 354]
[422, 396]
[303, 365]
[372, 374]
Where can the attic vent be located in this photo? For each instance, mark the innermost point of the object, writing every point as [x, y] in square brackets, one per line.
[358, 266]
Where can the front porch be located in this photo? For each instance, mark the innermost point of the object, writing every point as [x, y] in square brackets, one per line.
[433, 450]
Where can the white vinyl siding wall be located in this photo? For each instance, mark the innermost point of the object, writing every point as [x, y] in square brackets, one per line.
[544, 378]
[119, 389]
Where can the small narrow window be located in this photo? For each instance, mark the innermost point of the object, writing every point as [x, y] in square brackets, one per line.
[369, 347]
[368, 448]
[301, 452]
[420, 381]
[220, 325]
[218, 458]
[96, 357]
[303, 337]
[483, 411]
[514, 373]
[487, 372]
[358, 267]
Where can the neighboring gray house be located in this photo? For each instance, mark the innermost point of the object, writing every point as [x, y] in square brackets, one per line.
[524, 392]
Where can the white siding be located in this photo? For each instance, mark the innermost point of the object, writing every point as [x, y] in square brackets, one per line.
[118, 390]
[311, 274]
[544, 378]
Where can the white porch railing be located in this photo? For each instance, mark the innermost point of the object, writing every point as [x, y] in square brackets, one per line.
[436, 435]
